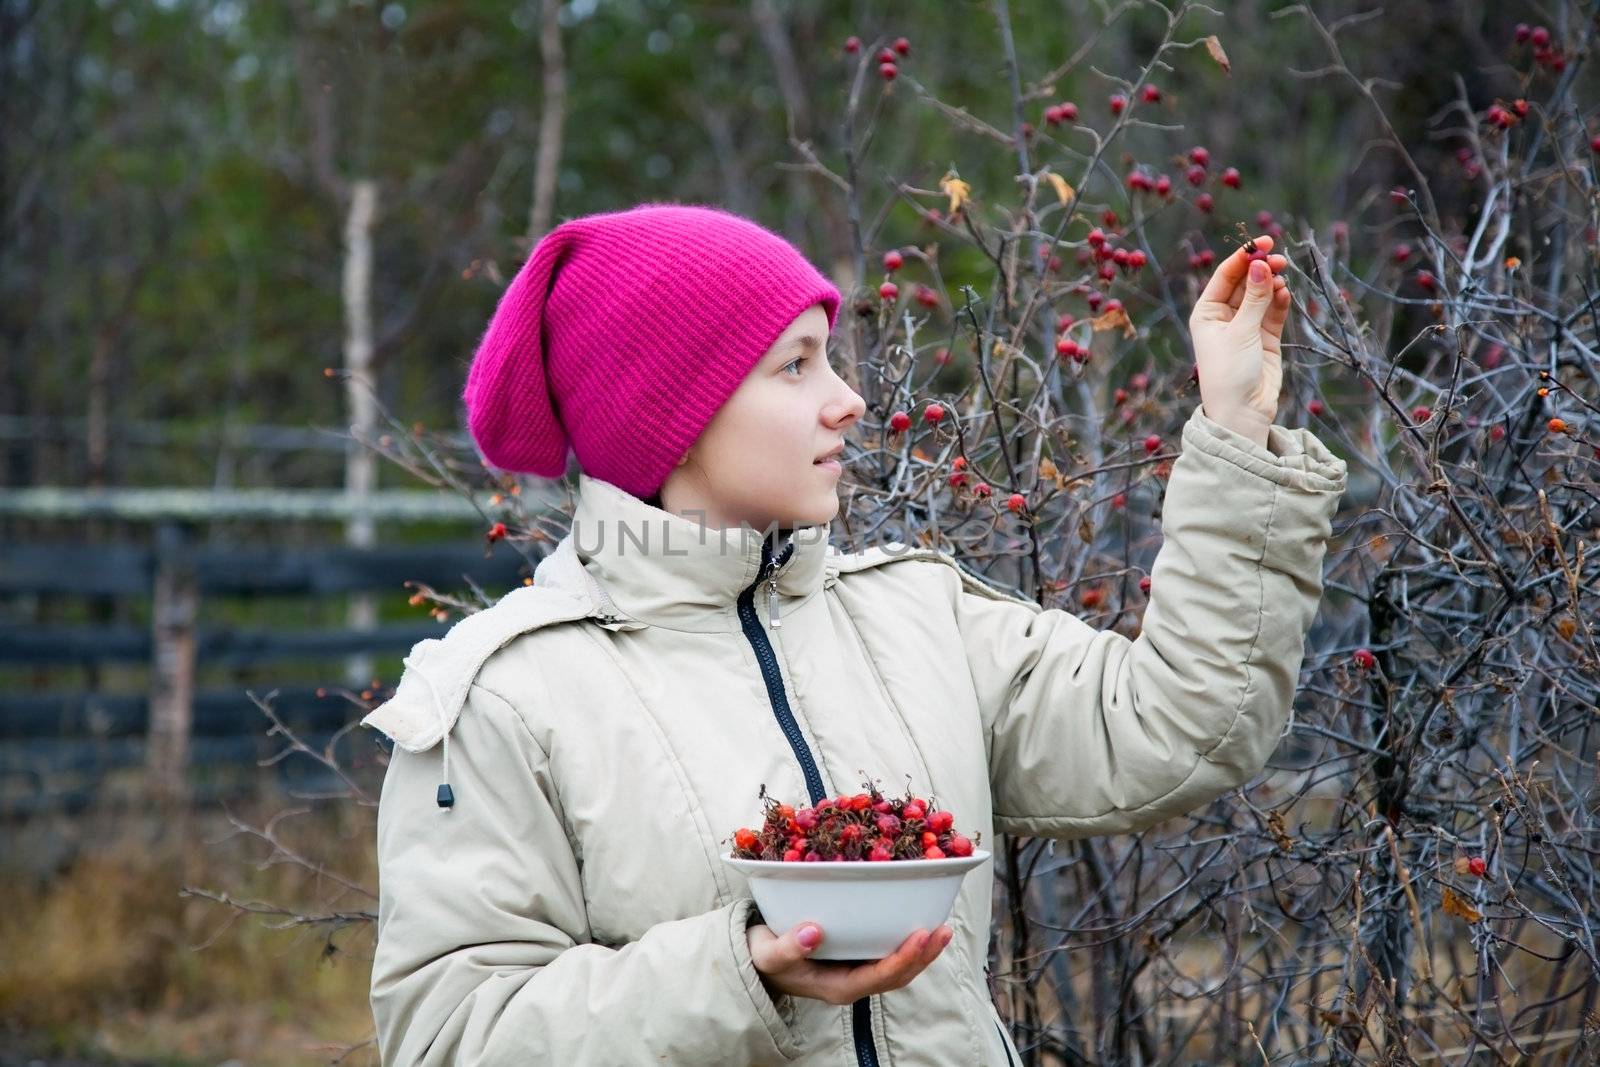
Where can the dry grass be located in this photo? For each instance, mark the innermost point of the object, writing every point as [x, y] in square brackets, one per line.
[107, 959]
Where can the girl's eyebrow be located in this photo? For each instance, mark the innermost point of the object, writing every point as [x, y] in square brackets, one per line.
[807, 342]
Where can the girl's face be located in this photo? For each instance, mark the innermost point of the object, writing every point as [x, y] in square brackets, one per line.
[755, 462]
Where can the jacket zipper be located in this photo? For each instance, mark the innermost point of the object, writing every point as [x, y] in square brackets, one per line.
[861, 1010]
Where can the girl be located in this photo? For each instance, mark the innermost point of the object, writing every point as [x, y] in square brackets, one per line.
[569, 764]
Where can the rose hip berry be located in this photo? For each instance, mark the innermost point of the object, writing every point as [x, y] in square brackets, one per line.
[860, 827]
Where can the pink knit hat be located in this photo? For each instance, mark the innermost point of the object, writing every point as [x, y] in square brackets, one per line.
[624, 332]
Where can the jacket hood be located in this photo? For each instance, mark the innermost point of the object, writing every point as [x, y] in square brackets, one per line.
[624, 564]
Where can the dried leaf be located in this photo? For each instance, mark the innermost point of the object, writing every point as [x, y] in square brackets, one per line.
[1566, 627]
[1111, 320]
[1064, 191]
[1280, 833]
[1454, 905]
[958, 191]
[1214, 46]
[1463, 865]
[1047, 468]
[1086, 531]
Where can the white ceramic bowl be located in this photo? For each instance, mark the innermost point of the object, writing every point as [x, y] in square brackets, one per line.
[865, 909]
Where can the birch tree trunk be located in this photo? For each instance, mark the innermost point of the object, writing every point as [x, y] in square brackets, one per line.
[361, 463]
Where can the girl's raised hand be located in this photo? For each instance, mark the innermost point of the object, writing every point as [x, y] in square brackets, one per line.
[1237, 331]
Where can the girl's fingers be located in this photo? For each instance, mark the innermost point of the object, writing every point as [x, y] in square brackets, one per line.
[1277, 311]
[1278, 285]
[1233, 270]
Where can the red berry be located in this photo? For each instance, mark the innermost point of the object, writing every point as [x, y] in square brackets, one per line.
[1230, 178]
[899, 422]
[806, 819]
[929, 839]
[496, 532]
[1200, 155]
[892, 260]
[792, 855]
[1402, 252]
[925, 296]
[1118, 102]
[852, 45]
[1091, 598]
[1065, 320]
[940, 821]
[1066, 348]
[886, 55]
[887, 71]
[1069, 111]
[888, 291]
[913, 810]
[933, 412]
[1421, 413]
[1316, 407]
[1540, 37]
[1522, 32]
[1140, 381]
[1497, 433]
[1594, 143]
[1364, 659]
[942, 356]
[1557, 425]
[1163, 186]
[981, 490]
[1204, 202]
[958, 479]
[902, 46]
[960, 845]
[1477, 866]
[1144, 584]
[1397, 195]
[1119, 501]
[1096, 238]
[1151, 94]
[879, 854]
[744, 838]
[888, 825]
[1152, 443]
[933, 852]
[1195, 175]
[1016, 502]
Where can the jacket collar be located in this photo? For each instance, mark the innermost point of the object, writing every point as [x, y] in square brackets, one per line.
[647, 566]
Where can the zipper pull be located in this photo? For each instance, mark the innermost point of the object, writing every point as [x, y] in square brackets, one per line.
[772, 601]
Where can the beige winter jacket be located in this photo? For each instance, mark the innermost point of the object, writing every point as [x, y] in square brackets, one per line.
[607, 729]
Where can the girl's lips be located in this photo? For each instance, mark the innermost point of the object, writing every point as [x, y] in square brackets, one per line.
[831, 465]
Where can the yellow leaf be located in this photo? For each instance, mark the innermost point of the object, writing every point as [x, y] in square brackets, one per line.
[1047, 468]
[958, 191]
[1214, 46]
[1063, 191]
[1111, 320]
[1454, 905]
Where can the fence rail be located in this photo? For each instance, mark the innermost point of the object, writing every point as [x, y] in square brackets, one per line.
[59, 750]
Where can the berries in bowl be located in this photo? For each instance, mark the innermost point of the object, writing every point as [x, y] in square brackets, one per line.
[867, 869]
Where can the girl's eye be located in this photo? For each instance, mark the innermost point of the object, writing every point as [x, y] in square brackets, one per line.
[795, 362]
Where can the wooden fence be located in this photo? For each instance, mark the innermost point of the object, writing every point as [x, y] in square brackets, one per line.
[60, 749]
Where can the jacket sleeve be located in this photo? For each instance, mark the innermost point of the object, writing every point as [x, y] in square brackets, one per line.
[1090, 732]
[483, 953]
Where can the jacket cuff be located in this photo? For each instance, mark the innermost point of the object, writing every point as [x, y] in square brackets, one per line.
[778, 1014]
[1293, 458]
